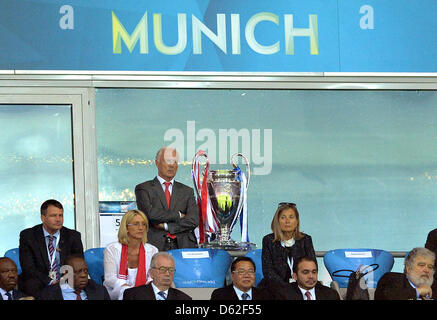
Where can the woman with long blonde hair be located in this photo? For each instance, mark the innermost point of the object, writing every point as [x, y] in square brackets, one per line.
[282, 247]
[127, 261]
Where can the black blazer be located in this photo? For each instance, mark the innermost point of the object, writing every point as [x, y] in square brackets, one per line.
[150, 199]
[94, 291]
[292, 292]
[431, 244]
[16, 295]
[274, 259]
[395, 286]
[34, 259]
[228, 293]
[145, 292]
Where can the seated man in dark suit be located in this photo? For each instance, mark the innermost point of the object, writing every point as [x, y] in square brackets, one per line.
[8, 281]
[162, 269]
[243, 281]
[416, 281]
[44, 247]
[75, 285]
[307, 287]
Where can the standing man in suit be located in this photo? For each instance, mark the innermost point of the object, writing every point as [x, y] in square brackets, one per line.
[415, 283]
[306, 286]
[243, 283]
[162, 269]
[82, 288]
[8, 281]
[169, 205]
[44, 247]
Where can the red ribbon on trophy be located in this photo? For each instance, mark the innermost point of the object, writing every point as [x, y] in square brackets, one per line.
[207, 222]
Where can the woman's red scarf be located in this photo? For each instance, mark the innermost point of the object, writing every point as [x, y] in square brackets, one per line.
[141, 271]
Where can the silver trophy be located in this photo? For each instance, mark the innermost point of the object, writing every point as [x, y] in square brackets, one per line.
[226, 192]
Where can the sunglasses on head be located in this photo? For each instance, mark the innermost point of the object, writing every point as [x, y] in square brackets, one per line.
[290, 204]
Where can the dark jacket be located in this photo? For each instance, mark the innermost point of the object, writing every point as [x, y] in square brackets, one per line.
[94, 291]
[274, 259]
[150, 199]
[431, 244]
[228, 293]
[395, 286]
[292, 292]
[145, 292]
[34, 259]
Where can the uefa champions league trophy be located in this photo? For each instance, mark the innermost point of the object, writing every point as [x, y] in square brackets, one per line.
[226, 193]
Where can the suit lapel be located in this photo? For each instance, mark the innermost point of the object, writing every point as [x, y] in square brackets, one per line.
[160, 192]
[62, 245]
[175, 195]
[39, 236]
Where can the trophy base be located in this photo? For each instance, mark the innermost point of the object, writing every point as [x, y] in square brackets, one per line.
[229, 245]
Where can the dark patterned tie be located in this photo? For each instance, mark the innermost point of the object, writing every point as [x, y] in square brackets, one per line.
[245, 296]
[9, 295]
[77, 292]
[308, 295]
[54, 265]
[162, 294]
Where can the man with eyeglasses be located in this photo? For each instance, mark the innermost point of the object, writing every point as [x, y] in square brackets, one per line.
[77, 287]
[243, 283]
[162, 269]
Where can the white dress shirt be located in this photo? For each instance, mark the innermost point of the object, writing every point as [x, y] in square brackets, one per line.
[312, 292]
[240, 293]
[156, 290]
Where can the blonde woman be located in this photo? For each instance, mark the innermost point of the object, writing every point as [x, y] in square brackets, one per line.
[282, 247]
[127, 261]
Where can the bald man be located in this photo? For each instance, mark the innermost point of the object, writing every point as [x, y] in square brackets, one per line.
[169, 205]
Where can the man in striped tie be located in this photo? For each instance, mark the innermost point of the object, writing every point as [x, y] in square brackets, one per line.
[44, 247]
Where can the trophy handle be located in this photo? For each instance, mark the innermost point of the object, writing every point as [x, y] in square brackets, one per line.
[246, 163]
[199, 154]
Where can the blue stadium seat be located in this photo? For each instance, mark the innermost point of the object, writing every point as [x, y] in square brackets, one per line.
[341, 262]
[15, 256]
[94, 260]
[200, 268]
[255, 255]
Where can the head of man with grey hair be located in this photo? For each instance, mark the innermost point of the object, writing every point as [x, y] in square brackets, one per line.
[166, 161]
[162, 269]
[419, 268]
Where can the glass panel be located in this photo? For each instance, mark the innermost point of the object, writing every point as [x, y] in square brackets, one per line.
[35, 165]
[361, 165]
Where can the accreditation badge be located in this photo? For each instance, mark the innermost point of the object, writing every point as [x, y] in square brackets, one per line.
[52, 275]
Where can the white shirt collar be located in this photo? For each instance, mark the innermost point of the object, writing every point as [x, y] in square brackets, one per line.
[46, 234]
[156, 290]
[3, 293]
[161, 180]
[312, 292]
[239, 293]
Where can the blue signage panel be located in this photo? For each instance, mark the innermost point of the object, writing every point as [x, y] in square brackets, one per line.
[201, 35]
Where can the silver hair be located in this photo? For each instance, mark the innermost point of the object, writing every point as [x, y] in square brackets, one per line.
[158, 154]
[417, 252]
[160, 254]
